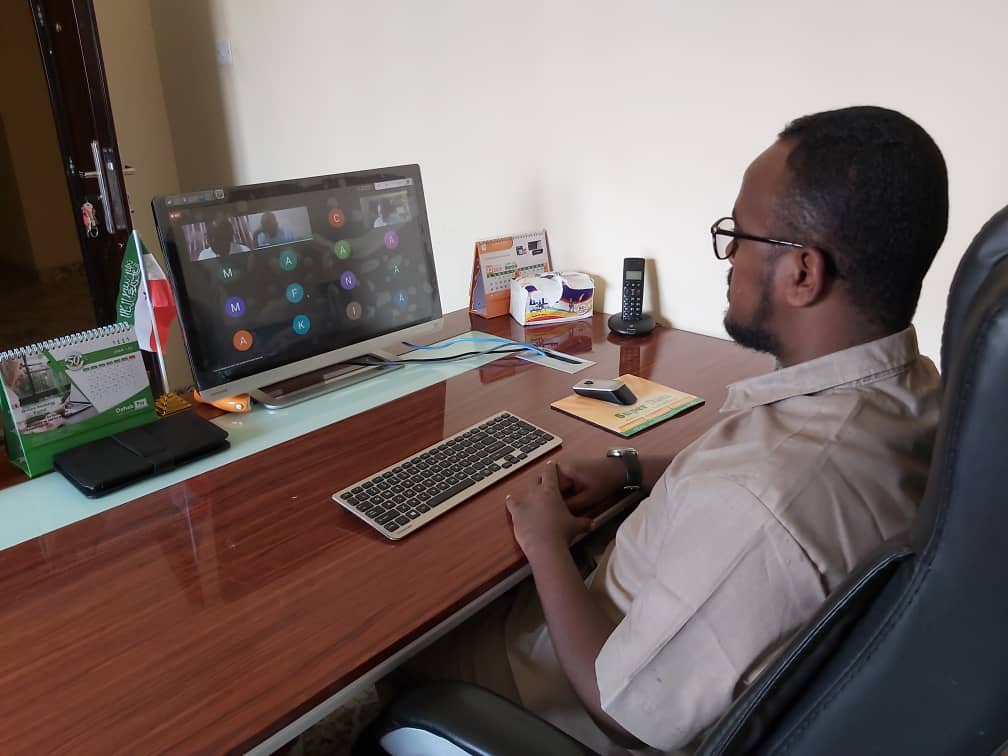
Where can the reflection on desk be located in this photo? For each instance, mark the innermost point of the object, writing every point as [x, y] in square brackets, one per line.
[212, 614]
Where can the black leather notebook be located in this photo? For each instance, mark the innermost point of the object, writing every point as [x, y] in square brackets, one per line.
[104, 465]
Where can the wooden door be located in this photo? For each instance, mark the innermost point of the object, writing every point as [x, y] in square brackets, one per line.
[71, 56]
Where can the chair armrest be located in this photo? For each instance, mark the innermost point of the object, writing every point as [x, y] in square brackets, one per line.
[474, 720]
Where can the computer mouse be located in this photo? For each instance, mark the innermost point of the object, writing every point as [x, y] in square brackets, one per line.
[616, 392]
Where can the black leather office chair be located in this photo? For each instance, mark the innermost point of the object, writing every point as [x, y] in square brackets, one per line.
[910, 654]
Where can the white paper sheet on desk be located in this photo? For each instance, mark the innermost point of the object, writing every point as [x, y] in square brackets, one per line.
[553, 362]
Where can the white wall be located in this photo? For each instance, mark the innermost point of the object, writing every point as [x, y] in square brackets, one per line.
[184, 33]
[133, 75]
[624, 128]
[657, 107]
[320, 87]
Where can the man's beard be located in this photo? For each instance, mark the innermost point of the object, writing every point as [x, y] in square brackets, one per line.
[756, 334]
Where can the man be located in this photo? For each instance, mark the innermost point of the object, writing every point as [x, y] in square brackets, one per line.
[270, 232]
[220, 238]
[746, 532]
[384, 214]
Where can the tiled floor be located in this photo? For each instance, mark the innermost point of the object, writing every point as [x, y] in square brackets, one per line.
[334, 735]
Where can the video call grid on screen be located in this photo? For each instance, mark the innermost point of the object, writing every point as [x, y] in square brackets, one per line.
[270, 274]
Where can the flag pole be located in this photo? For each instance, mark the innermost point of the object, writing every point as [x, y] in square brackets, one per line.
[165, 388]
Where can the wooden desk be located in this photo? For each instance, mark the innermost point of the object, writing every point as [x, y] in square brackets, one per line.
[209, 615]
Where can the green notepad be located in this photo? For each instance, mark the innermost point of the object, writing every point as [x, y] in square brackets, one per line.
[60, 393]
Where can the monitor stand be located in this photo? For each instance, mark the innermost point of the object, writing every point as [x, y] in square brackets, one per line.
[284, 393]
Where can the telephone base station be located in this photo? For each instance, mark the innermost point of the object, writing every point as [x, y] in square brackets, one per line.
[640, 327]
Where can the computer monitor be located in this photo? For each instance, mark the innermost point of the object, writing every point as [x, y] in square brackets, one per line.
[277, 283]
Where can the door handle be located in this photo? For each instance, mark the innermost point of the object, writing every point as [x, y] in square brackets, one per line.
[109, 190]
[128, 170]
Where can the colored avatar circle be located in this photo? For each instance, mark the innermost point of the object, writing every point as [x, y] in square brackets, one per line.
[342, 249]
[301, 325]
[354, 310]
[228, 273]
[288, 259]
[295, 293]
[391, 239]
[401, 298]
[235, 307]
[348, 280]
[337, 218]
[242, 340]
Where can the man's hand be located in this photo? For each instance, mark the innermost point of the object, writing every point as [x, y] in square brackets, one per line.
[540, 517]
[544, 528]
[585, 484]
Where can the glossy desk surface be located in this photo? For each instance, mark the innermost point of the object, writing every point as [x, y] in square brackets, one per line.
[208, 615]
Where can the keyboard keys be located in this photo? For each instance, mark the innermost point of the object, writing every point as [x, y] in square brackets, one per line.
[416, 490]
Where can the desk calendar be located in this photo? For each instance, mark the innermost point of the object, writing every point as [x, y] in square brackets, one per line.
[497, 261]
[60, 393]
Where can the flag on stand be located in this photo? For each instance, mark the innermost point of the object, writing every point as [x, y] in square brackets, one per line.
[150, 307]
[145, 299]
[161, 306]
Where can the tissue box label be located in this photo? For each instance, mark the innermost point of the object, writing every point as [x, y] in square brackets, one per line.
[552, 297]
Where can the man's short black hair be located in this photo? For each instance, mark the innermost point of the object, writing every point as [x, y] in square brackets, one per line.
[869, 186]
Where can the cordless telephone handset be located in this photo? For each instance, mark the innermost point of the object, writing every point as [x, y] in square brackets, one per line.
[633, 289]
[630, 321]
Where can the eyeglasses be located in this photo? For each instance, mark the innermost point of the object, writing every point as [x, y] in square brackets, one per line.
[724, 236]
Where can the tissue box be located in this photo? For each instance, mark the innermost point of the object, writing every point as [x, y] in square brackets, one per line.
[552, 297]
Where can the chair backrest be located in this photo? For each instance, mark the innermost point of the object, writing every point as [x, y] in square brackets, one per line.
[988, 249]
[907, 656]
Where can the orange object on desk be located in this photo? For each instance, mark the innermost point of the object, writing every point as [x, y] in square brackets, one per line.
[240, 403]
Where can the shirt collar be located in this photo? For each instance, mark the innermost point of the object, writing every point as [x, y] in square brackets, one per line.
[863, 363]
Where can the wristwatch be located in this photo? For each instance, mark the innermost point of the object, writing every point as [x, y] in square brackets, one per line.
[633, 469]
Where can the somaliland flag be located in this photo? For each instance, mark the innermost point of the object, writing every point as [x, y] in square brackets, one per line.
[147, 306]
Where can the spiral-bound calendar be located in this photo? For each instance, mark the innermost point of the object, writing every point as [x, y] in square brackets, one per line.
[497, 261]
[61, 393]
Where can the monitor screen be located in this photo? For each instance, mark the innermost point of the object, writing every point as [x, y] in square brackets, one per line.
[269, 276]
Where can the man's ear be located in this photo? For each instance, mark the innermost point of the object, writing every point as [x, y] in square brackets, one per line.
[807, 277]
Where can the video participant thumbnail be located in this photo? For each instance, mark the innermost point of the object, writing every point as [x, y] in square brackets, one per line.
[386, 209]
[228, 235]
[275, 227]
[222, 236]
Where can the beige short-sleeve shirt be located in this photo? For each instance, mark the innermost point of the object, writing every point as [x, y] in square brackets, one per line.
[744, 536]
